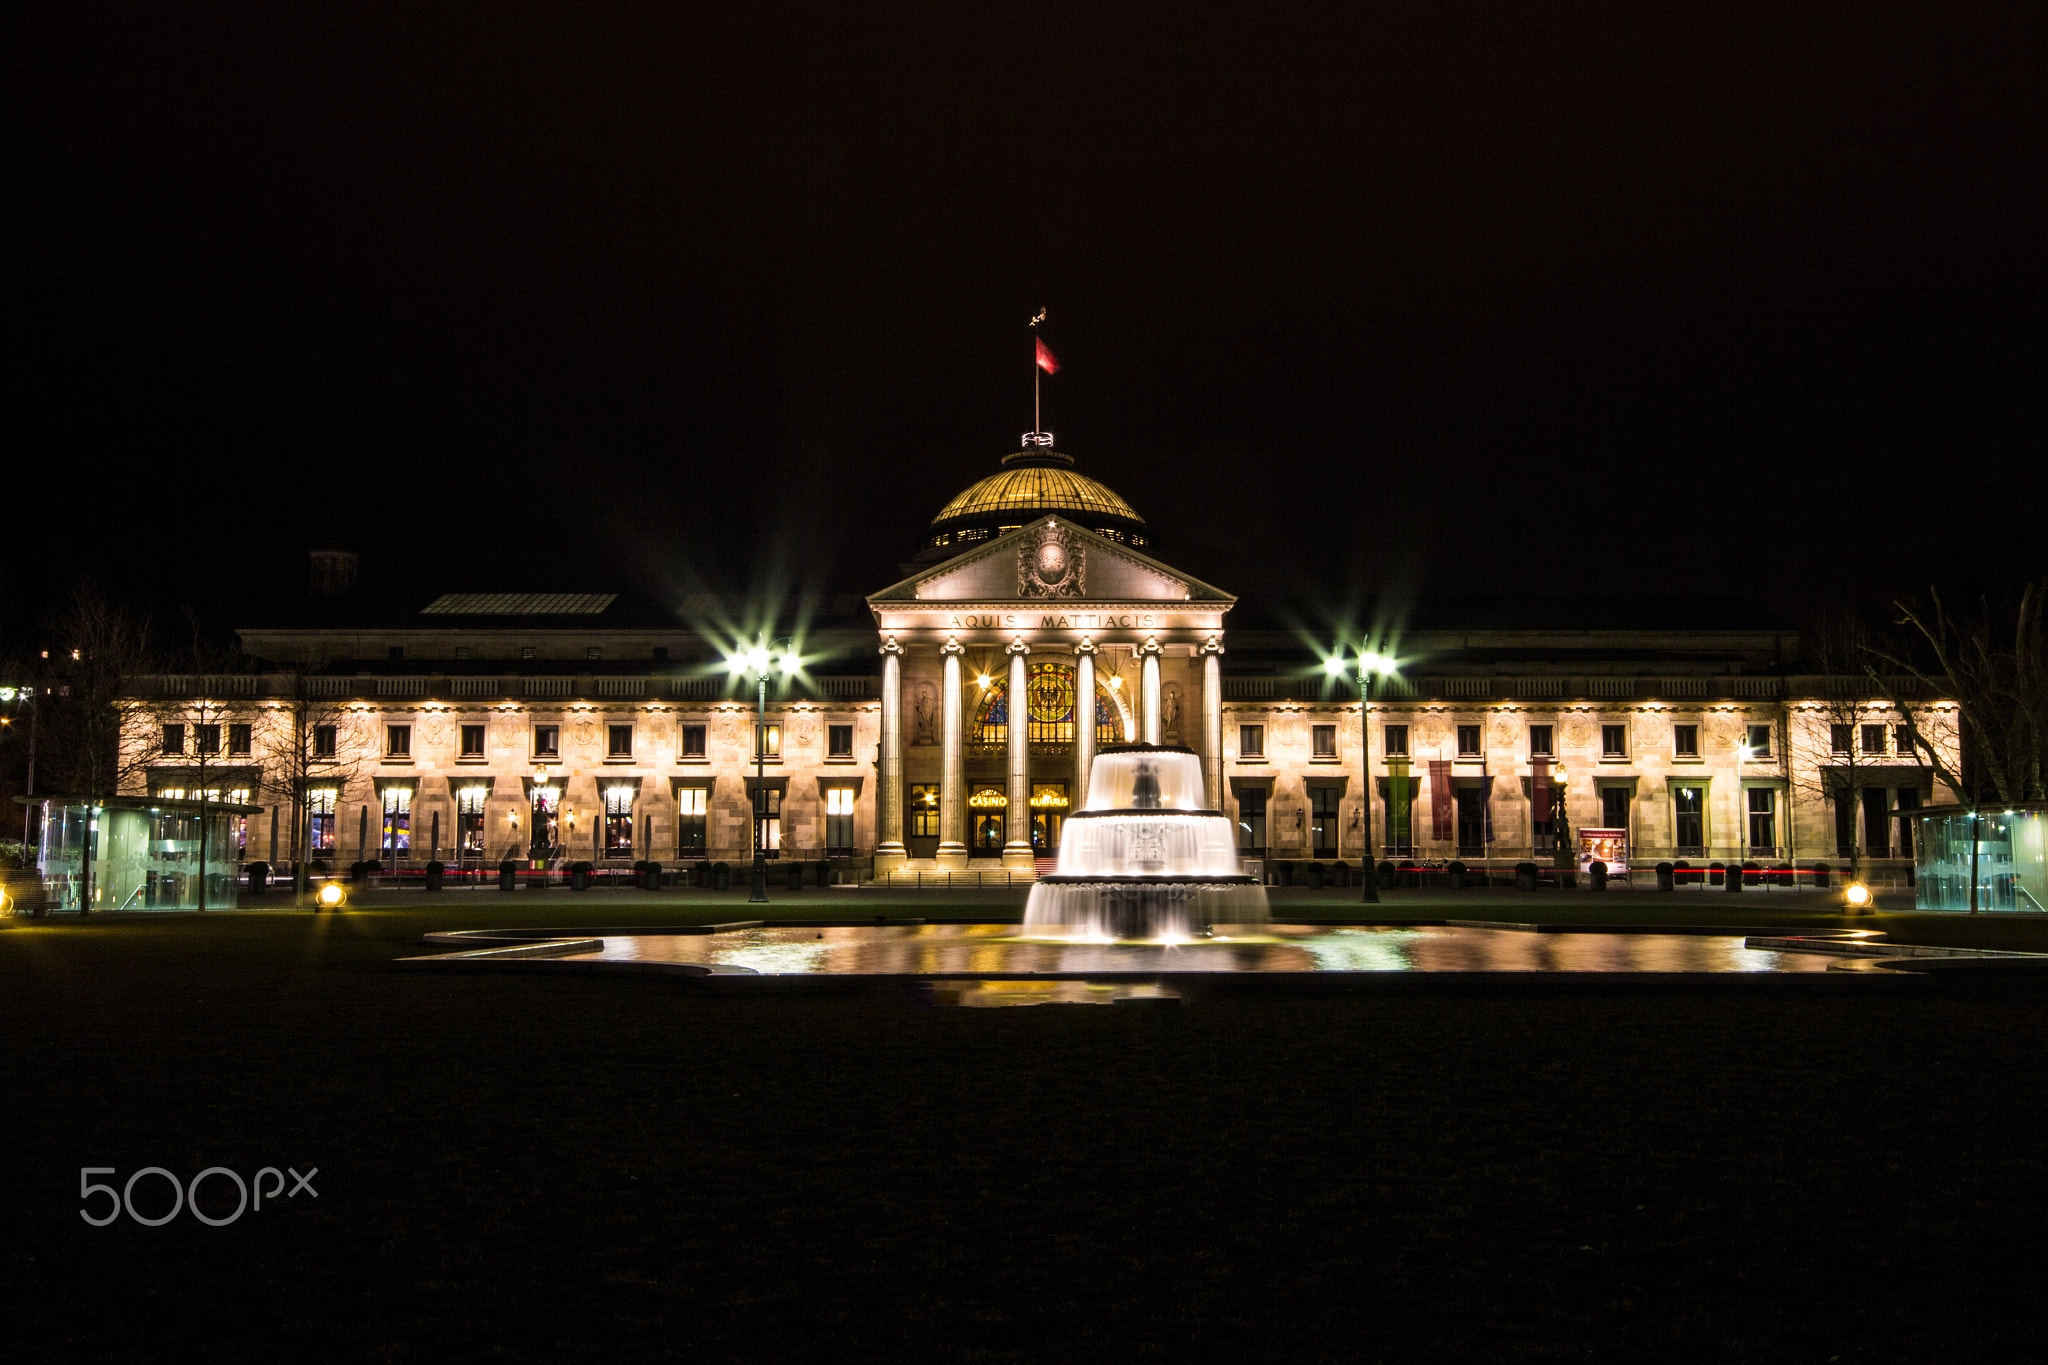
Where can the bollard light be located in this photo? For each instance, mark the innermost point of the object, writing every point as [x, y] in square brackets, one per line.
[331, 895]
[1858, 895]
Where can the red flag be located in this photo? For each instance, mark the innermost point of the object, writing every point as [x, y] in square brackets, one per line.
[1046, 360]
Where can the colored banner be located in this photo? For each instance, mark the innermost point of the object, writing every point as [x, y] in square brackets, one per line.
[1442, 814]
[1399, 794]
[1539, 791]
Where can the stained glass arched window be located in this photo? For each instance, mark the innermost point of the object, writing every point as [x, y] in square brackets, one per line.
[1049, 709]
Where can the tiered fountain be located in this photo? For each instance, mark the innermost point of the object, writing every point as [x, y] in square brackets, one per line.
[1143, 859]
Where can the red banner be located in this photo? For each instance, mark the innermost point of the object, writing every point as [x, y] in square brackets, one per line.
[1539, 790]
[1442, 819]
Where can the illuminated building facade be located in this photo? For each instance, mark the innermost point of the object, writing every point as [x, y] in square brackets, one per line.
[948, 721]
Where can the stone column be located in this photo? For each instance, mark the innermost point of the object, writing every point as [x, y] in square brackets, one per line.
[953, 764]
[1212, 720]
[1017, 815]
[889, 850]
[1084, 720]
[1148, 691]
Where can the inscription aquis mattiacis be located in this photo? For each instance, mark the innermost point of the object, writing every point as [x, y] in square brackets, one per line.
[1080, 620]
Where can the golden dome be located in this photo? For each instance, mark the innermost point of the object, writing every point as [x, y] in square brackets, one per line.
[1033, 490]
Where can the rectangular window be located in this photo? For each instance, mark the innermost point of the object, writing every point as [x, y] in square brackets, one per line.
[1540, 745]
[206, 739]
[398, 741]
[768, 819]
[1877, 822]
[397, 840]
[693, 806]
[1614, 741]
[1759, 742]
[547, 741]
[1873, 739]
[1763, 821]
[174, 739]
[469, 822]
[1251, 741]
[323, 741]
[1324, 740]
[618, 741]
[1251, 821]
[924, 810]
[839, 820]
[1323, 828]
[693, 741]
[1468, 741]
[1614, 804]
[767, 740]
[618, 819]
[472, 741]
[1839, 737]
[1902, 735]
[1685, 742]
[593, 652]
[1689, 819]
[320, 803]
[839, 741]
[1397, 741]
[240, 740]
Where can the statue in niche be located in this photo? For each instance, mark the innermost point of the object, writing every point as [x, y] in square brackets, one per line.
[924, 708]
[1169, 711]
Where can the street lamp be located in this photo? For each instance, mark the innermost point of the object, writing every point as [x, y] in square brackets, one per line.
[1369, 663]
[759, 661]
[26, 696]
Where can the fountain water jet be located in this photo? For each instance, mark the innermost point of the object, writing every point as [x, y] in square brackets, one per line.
[1142, 858]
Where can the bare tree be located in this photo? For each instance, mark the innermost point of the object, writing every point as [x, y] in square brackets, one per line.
[310, 741]
[2002, 690]
[207, 721]
[97, 742]
[1828, 760]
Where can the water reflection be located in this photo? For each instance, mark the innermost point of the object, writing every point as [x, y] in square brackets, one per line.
[912, 950]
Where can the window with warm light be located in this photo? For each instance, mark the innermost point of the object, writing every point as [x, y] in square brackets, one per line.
[924, 810]
[768, 741]
[839, 821]
[397, 840]
[693, 806]
[768, 818]
[320, 804]
[469, 821]
[618, 821]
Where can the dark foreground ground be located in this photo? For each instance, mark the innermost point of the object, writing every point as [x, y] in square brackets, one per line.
[522, 1169]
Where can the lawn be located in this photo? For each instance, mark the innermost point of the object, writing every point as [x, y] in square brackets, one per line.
[522, 1169]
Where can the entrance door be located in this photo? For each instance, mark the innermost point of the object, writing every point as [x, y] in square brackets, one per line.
[1471, 822]
[1048, 814]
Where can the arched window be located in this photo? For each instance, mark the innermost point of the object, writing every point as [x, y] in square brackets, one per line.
[1049, 706]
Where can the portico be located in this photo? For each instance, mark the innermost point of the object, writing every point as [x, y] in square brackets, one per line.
[1005, 668]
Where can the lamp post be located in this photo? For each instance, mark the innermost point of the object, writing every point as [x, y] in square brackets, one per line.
[758, 661]
[28, 696]
[1369, 663]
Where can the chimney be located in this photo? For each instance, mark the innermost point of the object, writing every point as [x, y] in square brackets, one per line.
[333, 573]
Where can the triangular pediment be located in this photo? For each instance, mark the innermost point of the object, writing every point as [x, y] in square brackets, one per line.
[1049, 562]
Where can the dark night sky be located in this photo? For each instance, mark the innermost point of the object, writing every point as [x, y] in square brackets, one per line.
[1591, 300]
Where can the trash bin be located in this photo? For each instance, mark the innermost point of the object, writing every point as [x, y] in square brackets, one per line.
[1456, 872]
[579, 876]
[721, 877]
[1386, 876]
[1315, 876]
[1732, 879]
[1596, 875]
[1665, 876]
[434, 874]
[1525, 876]
[508, 875]
[1820, 876]
[259, 878]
